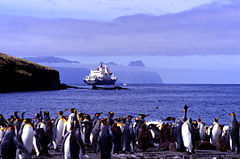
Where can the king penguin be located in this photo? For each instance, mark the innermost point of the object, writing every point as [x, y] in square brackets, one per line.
[178, 130]
[73, 146]
[215, 133]
[105, 140]
[58, 127]
[187, 135]
[71, 117]
[10, 144]
[128, 136]
[26, 133]
[234, 133]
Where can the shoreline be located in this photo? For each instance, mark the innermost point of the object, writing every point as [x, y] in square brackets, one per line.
[154, 153]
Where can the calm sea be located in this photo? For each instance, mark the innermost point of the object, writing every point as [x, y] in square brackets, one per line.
[204, 101]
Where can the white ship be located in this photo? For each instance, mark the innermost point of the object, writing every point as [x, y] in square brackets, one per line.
[101, 76]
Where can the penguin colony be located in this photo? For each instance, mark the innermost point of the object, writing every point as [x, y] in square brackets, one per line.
[73, 134]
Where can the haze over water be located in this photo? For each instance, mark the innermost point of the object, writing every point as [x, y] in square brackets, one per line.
[204, 101]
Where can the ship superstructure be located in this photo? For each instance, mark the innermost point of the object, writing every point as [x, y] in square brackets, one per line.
[101, 76]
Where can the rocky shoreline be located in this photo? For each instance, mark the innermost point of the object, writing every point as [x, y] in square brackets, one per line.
[22, 75]
[154, 153]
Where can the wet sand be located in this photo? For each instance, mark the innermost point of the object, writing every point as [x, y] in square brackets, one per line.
[154, 153]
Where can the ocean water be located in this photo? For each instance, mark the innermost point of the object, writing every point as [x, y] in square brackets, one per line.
[204, 101]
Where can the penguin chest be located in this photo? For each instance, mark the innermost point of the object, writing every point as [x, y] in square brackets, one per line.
[43, 126]
[60, 127]
[187, 136]
[67, 146]
[27, 137]
[215, 134]
[202, 131]
[2, 133]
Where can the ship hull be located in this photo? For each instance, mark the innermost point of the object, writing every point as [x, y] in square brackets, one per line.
[100, 82]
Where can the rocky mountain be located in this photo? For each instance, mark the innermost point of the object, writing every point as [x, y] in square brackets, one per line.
[22, 75]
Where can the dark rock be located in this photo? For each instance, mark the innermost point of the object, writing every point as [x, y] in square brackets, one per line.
[94, 87]
[22, 75]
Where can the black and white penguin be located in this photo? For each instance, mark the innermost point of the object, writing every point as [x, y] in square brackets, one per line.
[215, 132]
[202, 130]
[58, 128]
[105, 140]
[10, 144]
[234, 133]
[95, 118]
[94, 135]
[87, 129]
[154, 131]
[178, 130]
[26, 134]
[40, 142]
[128, 136]
[71, 117]
[187, 136]
[73, 146]
[2, 133]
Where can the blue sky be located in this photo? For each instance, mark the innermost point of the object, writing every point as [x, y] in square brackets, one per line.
[197, 39]
[95, 9]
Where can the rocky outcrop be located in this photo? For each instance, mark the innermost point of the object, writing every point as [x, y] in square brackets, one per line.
[22, 75]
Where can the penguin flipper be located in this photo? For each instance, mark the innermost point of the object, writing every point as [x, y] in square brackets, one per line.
[80, 142]
[23, 149]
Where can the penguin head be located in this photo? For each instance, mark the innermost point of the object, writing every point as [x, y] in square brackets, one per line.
[111, 114]
[185, 108]
[169, 119]
[199, 120]
[118, 120]
[46, 112]
[104, 120]
[27, 121]
[15, 113]
[37, 116]
[73, 110]
[142, 116]
[60, 113]
[136, 120]
[216, 120]
[97, 114]
[195, 124]
[129, 117]
[233, 114]
[124, 119]
[80, 115]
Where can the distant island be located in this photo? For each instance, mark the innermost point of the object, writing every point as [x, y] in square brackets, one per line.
[22, 75]
[48, 59]
[135, 72]
[137, 63]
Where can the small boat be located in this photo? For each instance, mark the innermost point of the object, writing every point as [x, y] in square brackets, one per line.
[101, 76]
